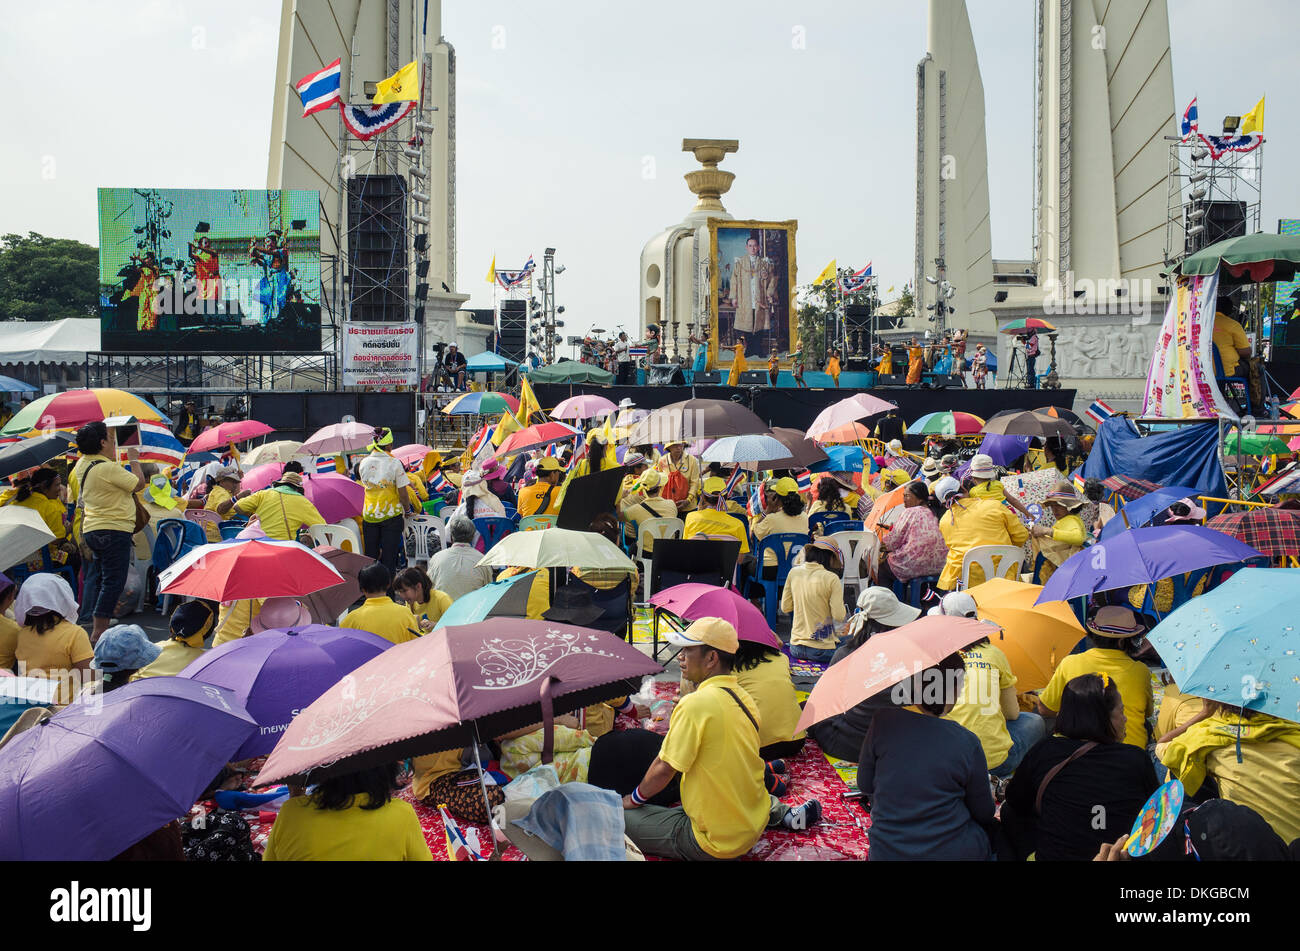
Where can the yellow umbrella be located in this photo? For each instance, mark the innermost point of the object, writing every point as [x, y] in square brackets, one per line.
[1036, 637]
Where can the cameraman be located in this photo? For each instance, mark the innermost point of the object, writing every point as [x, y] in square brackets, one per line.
[106, 495]
[455, 363]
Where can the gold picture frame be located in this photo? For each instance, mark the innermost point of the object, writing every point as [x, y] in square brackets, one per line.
[715, 274]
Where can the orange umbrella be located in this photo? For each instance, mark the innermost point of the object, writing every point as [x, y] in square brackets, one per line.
[887, 659]
[842, 435]
[890, 500]
[1035, 637]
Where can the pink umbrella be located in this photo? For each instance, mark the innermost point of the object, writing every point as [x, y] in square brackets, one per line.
[694, 601]
[858, 406]
[340, 437]
[412, 454]
[447, 691]
[889, 658]
[583, 406]
[335, 496]
[260, 477]
[222, 435]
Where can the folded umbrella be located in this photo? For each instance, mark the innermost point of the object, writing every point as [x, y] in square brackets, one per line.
[22, 534]
[756, 447]
[34, 452]
[583, 406]
[339, 438]
[328, 604]
[1139, 512]
[803, 452]
[1275, 532]
[887, 659]
[105, 772]
[556, 548]
[1035, 637]
[279, 672]
[846, 411]
[695, 419]
[694, 601]
[505, 598]
[445, 692]
[1143, 556]
[223, 434]
[242, 570]
[1236, 644]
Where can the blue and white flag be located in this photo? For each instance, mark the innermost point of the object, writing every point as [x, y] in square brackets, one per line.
[509, 279]
[321, 89]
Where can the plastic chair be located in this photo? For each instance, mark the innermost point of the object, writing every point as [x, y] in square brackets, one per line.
[649, 531]
[785, 546]
[821, 518]
[423, 536]
[1235, 381]
[910, 592]
[341, 536]
[435, 505]
[230, 528]
[855, 548]
[20, 572]
[532, 522]
[493, 528]
[843, 525]
[512, 513]
[202, 517]
[996, 561]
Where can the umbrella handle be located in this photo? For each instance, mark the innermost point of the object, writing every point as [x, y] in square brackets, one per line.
[548, 722]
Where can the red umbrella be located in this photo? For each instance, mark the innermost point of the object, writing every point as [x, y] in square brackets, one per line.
[1275, 532]
[243, 570]
[447, 691]
[222, 435]
[534, 437]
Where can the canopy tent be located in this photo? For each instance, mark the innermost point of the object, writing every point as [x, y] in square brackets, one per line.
[488, 362]
[570, 371]
[1188, 456]
[48, 341]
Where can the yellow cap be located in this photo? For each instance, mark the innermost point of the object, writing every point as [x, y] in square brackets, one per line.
[548, 464]
[714, 485]
[651, 479]
[713, 631]
[786, 486]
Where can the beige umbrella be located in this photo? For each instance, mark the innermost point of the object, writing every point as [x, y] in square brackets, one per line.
[22, 534]
[557, 548]
[283, 450]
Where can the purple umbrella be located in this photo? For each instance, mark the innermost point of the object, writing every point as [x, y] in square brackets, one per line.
[694, 601]
[1143, 556]
[1004, 450]
[447, 691]
[102, 774]
[275, 674]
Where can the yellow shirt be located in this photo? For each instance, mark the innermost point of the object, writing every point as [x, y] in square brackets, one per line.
[385, 617]
[215, 499]
[778, 523]
[714, 746]
[51, 655]
[304, 833]
[640, 509]
[1229, 337]
[978, 707]
[711, 522]
[1070, 531]
[972, 524]
[426, 769]
[989, 490]
[816, 597]
[108, 505]
[8, 641]
[689, 466]
[770, 686]
[280, 513]
[1131, 677]
[53, 512]
[531, 497]
[382, 477]
[233, 620]
[175, 657]
[432, 609]
[539, 590]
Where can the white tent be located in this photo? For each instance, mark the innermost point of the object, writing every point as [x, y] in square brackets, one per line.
[53, 341]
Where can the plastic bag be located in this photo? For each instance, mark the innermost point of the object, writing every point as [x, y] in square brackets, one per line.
[131, 593]
[533, 784]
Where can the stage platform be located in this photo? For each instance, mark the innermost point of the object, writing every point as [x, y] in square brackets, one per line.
[796, 408]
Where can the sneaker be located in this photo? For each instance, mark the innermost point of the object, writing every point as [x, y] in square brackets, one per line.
[776, 785]
[801, 817]
[777, 766]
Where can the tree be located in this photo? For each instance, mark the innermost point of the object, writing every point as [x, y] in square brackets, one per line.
[47, 278]
[907, 303]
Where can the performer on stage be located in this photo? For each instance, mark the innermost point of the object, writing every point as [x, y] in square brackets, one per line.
[886, 365]
[833, 366]
[273, 289]
[980, 366]
[624, 360]
[146, 290]
[207, 269]
[959, 351]
[774, 366]
[701, 364]
[1030, 341]
[738, 363]
[797, 356]
[915, 363]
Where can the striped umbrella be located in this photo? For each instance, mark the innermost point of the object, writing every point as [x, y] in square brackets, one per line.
[72, 409]
[946, 424]
[477, 404]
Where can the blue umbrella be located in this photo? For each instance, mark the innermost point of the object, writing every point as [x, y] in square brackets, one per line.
[1143, 556]
[1237, 643]
[488, 363]
[9, 385]
[1004, 450]
[841, 459]
[508, 598]
[1137, 513]
[757, 447]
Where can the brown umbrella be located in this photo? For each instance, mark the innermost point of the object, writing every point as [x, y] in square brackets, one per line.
[695, 419]
[805, 452]
[327, 604]
[1028, 423]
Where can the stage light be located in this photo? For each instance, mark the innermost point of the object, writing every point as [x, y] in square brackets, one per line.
[560, 269]
[560, 309]
[420, 198]
[1198, 177]
[1231, 124]
[1198, 154]
[1198, 229]
[1196, 214]
[419, 172]
[370, 88]
[1121, 292]
[422, 126]
[420, 219]
[931, 280]
[1162, 291]
[1196, 194]
[419, 313]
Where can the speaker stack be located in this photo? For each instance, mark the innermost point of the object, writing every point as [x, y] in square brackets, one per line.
[513, 340]
[377, 261]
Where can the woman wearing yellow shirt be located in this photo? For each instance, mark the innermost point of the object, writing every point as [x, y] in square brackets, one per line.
[785, 516]
[48, 644]
[282, 510]
[415, 587]
[353, 817]
[764, 672]
[1065, 537]
[42, 492]
[222, 487]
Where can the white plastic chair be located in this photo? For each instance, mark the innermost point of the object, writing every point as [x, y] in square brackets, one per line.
[423, 537]
[997, 561]
[655, 528]
[856, 548]
[343, 537]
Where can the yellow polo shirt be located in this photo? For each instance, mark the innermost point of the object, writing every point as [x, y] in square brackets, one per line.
[1131, 677]
[385, 617]
[712, 522]
[216, 498]
[175, 657]
[979, 707]
[304, 833]
[280, 513]
[714, 746]
[432, 609]
[530, 499]
[770, 685]
[971, 524]
[816, 597]
[107, 496]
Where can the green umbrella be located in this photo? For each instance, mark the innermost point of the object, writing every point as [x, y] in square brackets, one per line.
[556, 548]
[1255, 444]
[1251, 259]
[570, 371]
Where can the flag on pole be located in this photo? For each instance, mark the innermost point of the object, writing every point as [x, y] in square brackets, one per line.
[804, 481]
[1191, 121]
[528, 404]
[856, 281]
[827, 274]
[402, 86]
[366, 122]
[157, 444]
[1100, 412]
[754, 507]
[321, 89]
[505, 426]
[460, 848]
[1253, 121]
[492, 271]
[509, 279]
[440, 484]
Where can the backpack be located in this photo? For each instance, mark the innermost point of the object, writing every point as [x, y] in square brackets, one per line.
[676, 487]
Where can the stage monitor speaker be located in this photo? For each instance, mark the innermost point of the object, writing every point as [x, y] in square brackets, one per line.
[941, 382]
[755, 378]
[710, 377]
[666, 374]
[513, 335]
[891, 379]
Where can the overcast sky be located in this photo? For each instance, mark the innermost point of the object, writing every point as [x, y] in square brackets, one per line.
[570, 123]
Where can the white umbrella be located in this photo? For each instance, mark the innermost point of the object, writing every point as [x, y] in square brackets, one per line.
[856, 407]
[283, 450]
[22, 534]
[338, 438]
[754, 448]
[556, 548]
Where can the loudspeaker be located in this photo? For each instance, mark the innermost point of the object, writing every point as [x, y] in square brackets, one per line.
[755, 378]
[941, 382]
[891, 379]
[665, 374]
[1223, 220]
[857, 312]
[709, 377]
[513, 335]
[377, 255]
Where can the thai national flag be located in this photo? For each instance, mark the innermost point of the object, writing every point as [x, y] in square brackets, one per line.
[804, 481]
[1191, 121]
[321, 89]
[755, 505]
[325, 464]
[857, 280]
[635, 352]
[157, 444]
[1100, 412]
[459, 845]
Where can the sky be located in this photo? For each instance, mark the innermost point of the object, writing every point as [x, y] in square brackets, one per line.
[570, 117]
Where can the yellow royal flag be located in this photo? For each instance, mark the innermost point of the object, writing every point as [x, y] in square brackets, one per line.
[528, 404]
[1253, 121]
[492, 271]
[507, 425]
[402, 86]
[827, 274]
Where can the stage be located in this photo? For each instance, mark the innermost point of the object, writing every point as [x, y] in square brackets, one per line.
[793, 408]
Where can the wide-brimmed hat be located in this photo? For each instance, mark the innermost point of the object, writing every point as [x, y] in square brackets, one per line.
[930, 468]
[290, 478]
[1115, 622]
[895, 446]
[280, 614]
[492, 469]
[1065, 496]
[882, 605]
[983, 467]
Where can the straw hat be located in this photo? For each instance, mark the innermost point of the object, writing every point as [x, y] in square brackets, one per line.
[930, 468]
[1065, 496]
[1115, 622]
[983, 467]
[291, 478]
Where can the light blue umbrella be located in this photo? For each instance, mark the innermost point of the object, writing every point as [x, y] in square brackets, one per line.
[508, 598]
[488, 362]
[756, 447]
[841, 459]
[9, 385]
[1239, 644]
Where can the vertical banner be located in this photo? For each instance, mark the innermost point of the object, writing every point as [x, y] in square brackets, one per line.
[380, 355]
[1181, 384]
